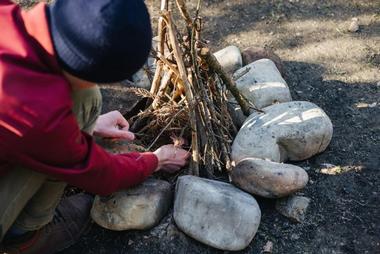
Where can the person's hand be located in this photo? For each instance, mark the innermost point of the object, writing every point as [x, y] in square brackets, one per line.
[113, 125]
[171, 158]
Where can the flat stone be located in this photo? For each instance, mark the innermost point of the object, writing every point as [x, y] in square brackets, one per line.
[230, 59]
[292, 131]
[268, 179]
[262, 84]
[215, 213]
[252, 54]
[293, 207]
[141, 207]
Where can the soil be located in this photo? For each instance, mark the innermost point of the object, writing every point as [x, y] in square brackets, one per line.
[327, 65]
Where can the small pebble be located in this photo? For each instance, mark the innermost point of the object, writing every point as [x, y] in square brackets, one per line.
[268, 247]
[293, 207]
[354, 26]
[294, 237]
[372, 105]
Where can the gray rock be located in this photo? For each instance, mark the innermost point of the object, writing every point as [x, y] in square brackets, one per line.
[229, 58]
[294, 130]
[252, 54]
[141, 207]
[293, 207]
[268, 179]
[268, 247]
[215, 213]
[262, 84]
[167, 230]
[354, 25]
[142, 78]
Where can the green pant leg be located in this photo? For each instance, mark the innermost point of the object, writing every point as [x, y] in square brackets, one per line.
[16, 189]
[32, 197]
[87, 107]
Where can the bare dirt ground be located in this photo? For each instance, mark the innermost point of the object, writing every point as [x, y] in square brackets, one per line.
[325, 64]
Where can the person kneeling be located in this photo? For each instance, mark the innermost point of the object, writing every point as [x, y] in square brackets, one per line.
[51, 58]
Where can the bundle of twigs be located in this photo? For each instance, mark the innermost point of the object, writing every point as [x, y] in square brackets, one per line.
[188, 93]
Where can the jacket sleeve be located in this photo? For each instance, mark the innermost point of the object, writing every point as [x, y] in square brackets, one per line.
[59, 149]
[6, 2]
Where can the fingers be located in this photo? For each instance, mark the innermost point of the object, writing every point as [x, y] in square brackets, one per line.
[171, 157]
[129, 136]
[121, 134]
[120, 120]
[113, 125]
[124, 132]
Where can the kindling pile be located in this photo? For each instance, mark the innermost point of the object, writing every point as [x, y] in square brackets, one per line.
[189, 94]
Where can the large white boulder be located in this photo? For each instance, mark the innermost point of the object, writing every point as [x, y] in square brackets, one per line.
[262, 84]
[268, 179]
[294, 130]
[230, 59]
[141, 207]
[215, 213]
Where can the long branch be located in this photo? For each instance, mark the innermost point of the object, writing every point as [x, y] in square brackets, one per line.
[188, 91]
[161, 48]
[229, 82]
[182, 9]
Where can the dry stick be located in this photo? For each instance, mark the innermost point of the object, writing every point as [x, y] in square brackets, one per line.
[229, 83]
[209, 110]
[163, 130]
[203, 111]
[164, 84]
[228, 116]
[161, 48]
[171, 66]
[156, 78]
[182, 9]
[188, 92]
[219, 127]
[206, 108]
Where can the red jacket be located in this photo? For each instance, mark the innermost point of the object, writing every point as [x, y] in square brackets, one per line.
[38, 129]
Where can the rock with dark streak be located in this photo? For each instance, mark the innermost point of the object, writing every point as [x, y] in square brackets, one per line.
[216, 213]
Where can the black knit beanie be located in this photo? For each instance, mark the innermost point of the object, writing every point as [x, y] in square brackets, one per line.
[100, 40]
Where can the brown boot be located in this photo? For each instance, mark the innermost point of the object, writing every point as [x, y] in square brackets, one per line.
[71, 220]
